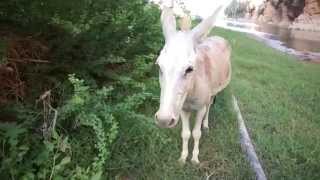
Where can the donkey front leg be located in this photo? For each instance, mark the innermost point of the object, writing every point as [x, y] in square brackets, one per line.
[205, 124]
[185, 134]
[196, 133]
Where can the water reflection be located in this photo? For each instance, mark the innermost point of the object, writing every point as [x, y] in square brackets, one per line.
[295, 39]
[303, 44]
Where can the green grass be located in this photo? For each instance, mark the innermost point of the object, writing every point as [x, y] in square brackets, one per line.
[278, 97]
[147, 158]
[220, 152]
[280, 100]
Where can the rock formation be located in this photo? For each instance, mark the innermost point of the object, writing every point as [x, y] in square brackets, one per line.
[309, 19]
[295, 14]
[271, 13]
[285, 20]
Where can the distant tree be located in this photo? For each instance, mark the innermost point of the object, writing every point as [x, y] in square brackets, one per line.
[236, 9]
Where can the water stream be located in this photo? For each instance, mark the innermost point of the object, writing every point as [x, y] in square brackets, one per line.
[303, 44]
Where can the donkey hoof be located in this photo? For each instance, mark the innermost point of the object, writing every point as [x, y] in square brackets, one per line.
[195, 161]
[205, 130]
[182, 161]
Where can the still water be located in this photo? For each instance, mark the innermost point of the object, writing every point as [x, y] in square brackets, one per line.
[303, 44]
[296, 39]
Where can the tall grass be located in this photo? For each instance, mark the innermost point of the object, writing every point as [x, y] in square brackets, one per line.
[279, 98]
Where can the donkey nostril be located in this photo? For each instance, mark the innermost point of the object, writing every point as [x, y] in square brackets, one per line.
[171, 122]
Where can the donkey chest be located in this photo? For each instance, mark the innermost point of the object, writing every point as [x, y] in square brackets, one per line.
[193, 103]
[198, 97]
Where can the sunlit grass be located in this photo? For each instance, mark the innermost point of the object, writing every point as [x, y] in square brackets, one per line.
[220, 152]
[279, 98]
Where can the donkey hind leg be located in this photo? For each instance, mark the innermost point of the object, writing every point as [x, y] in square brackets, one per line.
[185, 135]
[205, 124]
[196, 133]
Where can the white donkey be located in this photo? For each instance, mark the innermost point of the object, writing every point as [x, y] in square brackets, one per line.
[193, 69]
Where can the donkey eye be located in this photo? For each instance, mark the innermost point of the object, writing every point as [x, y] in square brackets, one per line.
[189, 70]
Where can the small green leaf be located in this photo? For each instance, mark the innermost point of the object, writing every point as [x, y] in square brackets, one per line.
[64, 145]
[55, 135]
[65, 160]
[97, 176]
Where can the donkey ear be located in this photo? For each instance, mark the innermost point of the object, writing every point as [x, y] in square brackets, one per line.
[168, 22]
[202, 29]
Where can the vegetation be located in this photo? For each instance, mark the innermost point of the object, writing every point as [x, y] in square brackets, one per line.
[236, 9]
[279, 99]
[56, 125]
[79, 89]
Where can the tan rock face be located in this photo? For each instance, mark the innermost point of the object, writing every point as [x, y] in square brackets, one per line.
[312, 7]
[296, 14]
[271, 14]
[271, 11]
[310, 18]
[285, 21]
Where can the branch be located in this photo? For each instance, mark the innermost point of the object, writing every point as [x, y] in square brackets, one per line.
[28, 60]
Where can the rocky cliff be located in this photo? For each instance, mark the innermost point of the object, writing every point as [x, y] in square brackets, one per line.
[309, 19]
[295, 14]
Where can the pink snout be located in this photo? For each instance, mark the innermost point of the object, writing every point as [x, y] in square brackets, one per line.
[165, 120]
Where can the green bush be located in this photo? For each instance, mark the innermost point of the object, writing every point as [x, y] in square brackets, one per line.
[28, 155]
[105, 43]
[90, 109]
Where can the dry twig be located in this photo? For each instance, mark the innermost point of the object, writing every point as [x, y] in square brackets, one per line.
[49, 123]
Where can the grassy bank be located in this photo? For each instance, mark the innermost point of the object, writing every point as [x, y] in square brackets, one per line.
[279, 98]
[156, 158]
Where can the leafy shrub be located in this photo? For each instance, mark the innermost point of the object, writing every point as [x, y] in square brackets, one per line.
[99, 131]
[28, 155]
[90, 109]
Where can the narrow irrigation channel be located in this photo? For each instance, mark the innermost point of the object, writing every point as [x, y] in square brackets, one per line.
[247, 145]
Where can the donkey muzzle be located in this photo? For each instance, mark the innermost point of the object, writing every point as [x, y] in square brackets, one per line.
[165, 120]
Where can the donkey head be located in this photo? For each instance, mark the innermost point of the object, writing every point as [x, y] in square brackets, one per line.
[176, 63]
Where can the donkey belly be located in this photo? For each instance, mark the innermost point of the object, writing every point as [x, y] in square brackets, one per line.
[191, 105]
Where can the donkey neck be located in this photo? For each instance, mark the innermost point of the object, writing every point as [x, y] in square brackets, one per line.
[199, 90]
